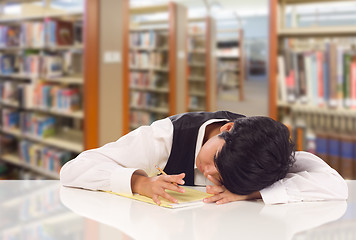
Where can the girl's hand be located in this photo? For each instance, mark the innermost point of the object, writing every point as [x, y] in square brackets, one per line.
[154, 187]
[222, 195]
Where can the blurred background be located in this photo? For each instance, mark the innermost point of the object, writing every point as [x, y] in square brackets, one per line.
[76, 74]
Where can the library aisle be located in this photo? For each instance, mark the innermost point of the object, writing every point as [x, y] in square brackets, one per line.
[255, 102]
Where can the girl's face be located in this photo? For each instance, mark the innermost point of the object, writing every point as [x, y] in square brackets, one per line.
[205, 159]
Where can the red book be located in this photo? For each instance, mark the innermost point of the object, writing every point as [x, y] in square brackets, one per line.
[65, 33]
[353, 83]
[319, 60]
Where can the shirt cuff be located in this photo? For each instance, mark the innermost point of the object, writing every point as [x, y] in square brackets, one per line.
[121, 180]
[276, 193]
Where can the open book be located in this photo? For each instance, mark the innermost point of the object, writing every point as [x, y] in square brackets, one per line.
[190, 197]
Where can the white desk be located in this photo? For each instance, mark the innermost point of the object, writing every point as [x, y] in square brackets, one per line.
[45, 210]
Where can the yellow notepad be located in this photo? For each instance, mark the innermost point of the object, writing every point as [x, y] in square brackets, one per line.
[190, 197]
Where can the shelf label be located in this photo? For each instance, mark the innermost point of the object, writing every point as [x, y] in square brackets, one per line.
[181, 54]
[112, 57]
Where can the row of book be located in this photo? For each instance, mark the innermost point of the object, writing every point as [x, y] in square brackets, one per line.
[196, 58]
[196, 102]
[140, 118]
[51, 32]
[33, 124]
[148, 99]
[56, 98]
[148, 39]
[324, 76]
[227, 65]
[10, 118]
[196, 29]
[335, 148]
[196, 72]
[148, 59]
[43, 96]
[228, 80]
[195, 43]
[44, 157]
[144, 79]
[40, 65]
[227, 52]
[8, 90]
[34, 154]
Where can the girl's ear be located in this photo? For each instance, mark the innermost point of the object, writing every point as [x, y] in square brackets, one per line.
[227, 127]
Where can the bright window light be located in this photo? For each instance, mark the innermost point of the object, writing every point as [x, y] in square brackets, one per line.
[12, 9]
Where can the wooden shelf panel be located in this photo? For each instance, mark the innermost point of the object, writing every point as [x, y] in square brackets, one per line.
[65, 80]
[52, 48]
[162, 110]
[150, 49]
[197, 109]
[197, 50]
[40, 17]
[196, 79]
[68, 140]
[75, 114]
[318, 31]
[151, 89]
[149, 69]
[145, 29]
[149, 9]
[200, 65]
[197, 93]
[310, 1]
[298, 107]
[15, 160]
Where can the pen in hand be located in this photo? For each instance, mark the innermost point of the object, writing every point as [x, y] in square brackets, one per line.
[161, 171]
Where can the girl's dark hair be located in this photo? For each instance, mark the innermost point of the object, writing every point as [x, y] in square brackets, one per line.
[258, 152]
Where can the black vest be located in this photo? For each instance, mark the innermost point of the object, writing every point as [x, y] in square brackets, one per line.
[185, 133]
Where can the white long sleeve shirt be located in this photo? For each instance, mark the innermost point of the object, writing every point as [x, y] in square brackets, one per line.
[110, 167]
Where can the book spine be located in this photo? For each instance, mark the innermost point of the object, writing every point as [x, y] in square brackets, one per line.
[353, 83]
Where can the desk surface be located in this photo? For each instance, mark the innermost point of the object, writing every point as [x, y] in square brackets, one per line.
[45, 210]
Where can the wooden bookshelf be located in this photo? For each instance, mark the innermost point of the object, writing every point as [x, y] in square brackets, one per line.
[310, 86]
[157, 60]
[76, 129]
[201, 64]
[231, 65]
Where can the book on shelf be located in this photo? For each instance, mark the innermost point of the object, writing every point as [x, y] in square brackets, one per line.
[37, 125]
[10, 118]
[38, 34]
[56, 98]
[13, 34]
[8, 63]
[47, 158]
[8, 144]
[141, 59]
[148, 39]
[32, 34]
[140, 118]
[319, 76]
[59, 32]
[336, 148]
[51, 66]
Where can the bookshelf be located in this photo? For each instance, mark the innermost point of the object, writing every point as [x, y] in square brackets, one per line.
[44, 84]
[312, 81]
[157, 60]
[230, 62]
[201, 64]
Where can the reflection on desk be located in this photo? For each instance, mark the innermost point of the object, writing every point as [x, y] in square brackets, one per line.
[33, 210]
[244, 220]
[44, 210]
